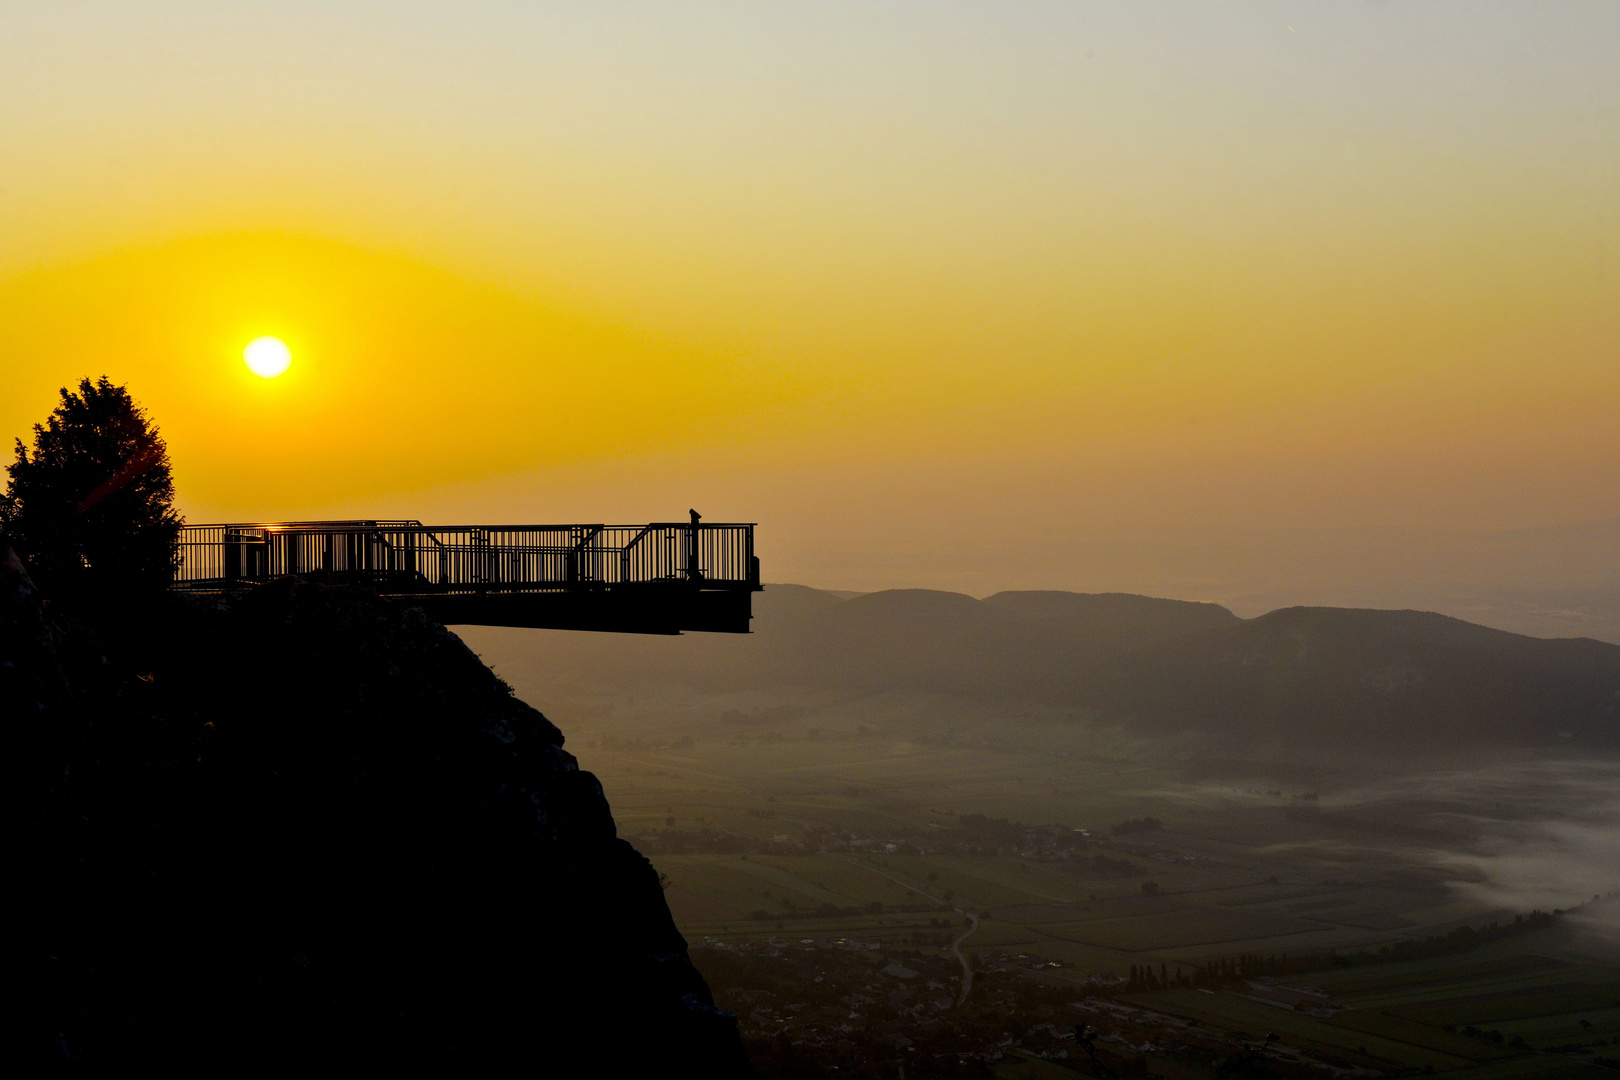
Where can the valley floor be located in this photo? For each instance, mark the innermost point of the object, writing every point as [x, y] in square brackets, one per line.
[823, 866]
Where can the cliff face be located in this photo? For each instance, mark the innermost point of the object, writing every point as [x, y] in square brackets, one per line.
[306, 824]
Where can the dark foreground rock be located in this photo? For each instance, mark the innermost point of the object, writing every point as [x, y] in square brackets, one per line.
[307, 826]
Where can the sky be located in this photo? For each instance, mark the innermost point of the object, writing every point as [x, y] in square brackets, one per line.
[1200, 299]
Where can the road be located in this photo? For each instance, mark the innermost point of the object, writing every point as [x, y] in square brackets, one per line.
[956, 946]
[967, 969]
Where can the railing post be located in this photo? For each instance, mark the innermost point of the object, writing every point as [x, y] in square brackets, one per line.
[575, 569]
[753, 560]
[480, 569]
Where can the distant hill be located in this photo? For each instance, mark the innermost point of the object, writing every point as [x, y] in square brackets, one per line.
[1049, 642]
[1337, 675]
[1399, 676]
[1034, 645]
[1019, 644]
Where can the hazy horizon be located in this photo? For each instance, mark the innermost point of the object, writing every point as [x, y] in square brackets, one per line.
[1143, 296]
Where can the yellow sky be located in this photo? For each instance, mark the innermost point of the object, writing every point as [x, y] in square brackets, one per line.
[983, 278]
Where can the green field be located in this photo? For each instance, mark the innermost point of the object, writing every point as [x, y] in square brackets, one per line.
[1444, 1013]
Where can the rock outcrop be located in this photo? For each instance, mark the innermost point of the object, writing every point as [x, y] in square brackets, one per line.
[306, 825]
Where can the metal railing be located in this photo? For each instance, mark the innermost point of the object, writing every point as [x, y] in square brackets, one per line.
[409, 557]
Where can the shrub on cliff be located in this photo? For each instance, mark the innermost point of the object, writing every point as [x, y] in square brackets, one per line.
[92, 506]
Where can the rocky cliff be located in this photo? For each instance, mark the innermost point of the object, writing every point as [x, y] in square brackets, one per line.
[304, 825]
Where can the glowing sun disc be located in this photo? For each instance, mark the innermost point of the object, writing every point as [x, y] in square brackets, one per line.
[267, 357]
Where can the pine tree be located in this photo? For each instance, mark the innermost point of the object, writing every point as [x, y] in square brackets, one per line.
[93, 505]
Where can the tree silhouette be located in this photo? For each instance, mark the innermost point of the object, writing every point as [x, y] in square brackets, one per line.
[93, 505]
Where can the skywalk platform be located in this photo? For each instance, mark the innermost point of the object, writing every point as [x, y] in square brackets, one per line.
[660, 578]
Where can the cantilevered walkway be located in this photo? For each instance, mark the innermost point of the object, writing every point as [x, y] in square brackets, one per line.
[662, 578]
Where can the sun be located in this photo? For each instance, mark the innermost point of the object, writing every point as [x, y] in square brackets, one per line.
[267, 357]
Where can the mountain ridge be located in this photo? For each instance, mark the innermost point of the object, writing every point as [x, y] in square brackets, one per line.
[1417, 678]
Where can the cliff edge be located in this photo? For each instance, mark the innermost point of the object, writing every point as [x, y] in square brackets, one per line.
[307, 825]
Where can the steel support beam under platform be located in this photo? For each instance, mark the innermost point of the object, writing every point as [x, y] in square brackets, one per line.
[672, 610]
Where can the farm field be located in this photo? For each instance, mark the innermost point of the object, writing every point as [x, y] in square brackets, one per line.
[826, 869]
[803, 830]
[1511, 1014]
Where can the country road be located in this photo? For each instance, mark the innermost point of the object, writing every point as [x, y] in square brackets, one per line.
[967, 969]
[956, 946]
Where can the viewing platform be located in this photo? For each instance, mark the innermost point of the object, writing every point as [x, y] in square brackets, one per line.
[662, 578]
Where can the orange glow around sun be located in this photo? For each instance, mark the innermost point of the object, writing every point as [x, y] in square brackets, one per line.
[987, 279]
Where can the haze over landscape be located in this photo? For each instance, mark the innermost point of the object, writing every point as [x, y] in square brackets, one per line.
[1306, 302]
[1182, 445]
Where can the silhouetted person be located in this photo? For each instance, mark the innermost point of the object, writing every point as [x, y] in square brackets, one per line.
[693, 573]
